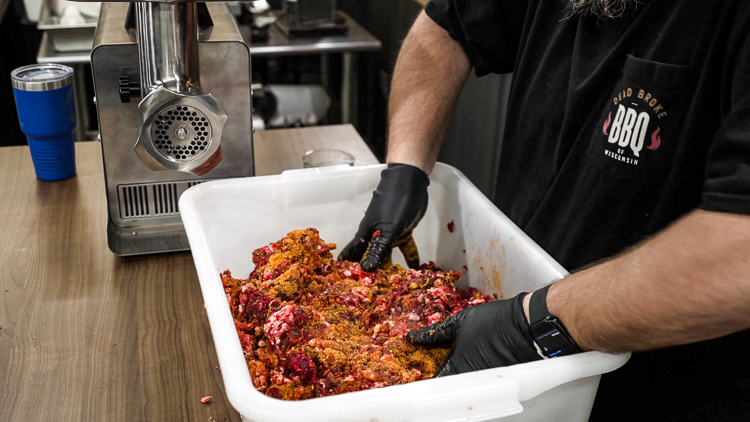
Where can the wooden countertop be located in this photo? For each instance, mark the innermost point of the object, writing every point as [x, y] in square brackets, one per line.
[87, 335]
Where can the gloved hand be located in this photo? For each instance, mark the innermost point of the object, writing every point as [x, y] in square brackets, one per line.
[489, 335]
[397, 205]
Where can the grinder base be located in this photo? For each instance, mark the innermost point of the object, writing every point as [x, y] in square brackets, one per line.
[146, 239]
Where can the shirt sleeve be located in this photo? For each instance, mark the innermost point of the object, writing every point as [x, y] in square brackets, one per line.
[488, 30]
[727, 183]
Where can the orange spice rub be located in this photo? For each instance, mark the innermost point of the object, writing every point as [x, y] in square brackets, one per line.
[311, 326]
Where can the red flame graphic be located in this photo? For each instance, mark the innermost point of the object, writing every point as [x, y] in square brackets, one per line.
[606, 123]
[655, 140]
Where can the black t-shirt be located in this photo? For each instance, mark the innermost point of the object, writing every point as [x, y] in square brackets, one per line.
[616, 128]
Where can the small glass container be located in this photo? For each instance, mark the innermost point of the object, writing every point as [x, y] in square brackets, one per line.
[327, 157]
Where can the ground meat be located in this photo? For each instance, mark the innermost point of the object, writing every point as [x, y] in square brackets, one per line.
[311, 326]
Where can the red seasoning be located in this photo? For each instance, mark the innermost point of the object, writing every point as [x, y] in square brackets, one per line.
[205, 399]
[451, 226]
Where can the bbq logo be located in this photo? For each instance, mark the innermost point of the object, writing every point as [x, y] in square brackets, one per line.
[634, 123]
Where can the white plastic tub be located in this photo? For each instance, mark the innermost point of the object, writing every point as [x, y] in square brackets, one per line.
[226, 220]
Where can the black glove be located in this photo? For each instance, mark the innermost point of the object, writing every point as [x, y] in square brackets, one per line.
[397, 205]
[486, 336]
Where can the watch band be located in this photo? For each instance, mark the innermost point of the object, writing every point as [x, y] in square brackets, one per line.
[538, 305]
[547, 330]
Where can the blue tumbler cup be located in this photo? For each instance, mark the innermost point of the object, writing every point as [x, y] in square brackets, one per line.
[47, 113]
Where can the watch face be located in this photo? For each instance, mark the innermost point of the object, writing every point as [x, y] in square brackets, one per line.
[549, 336]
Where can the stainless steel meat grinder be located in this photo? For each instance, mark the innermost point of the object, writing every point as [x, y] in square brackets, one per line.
[173, 94]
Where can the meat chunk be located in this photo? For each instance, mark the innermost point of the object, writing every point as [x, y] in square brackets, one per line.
[311, 326]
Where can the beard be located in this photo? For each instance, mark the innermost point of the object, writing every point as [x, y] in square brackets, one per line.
[602, 9]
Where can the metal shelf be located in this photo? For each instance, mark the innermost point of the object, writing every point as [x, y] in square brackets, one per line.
[47, 54]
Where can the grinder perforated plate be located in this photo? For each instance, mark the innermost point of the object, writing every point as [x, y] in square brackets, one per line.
[181, 133]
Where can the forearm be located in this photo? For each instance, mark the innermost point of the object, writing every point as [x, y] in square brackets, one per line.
[430, 72]
[690, 283]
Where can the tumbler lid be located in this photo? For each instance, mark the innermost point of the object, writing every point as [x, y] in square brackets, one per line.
[42, 77]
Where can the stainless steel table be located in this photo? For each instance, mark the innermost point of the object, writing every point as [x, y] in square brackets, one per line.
[355, 40]
[47, 54]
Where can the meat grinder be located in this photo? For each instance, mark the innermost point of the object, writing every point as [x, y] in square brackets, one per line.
[173, 95]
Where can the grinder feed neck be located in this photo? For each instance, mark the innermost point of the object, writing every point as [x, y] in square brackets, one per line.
[181, 127]
[168, 47]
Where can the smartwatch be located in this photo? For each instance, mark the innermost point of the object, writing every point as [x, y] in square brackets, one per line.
[547, 330]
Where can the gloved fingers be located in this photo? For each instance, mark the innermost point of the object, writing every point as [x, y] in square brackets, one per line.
[379, 249]
[408, 247]
[355, 250]
[441, 333]
[447, 369]
[387, 262]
